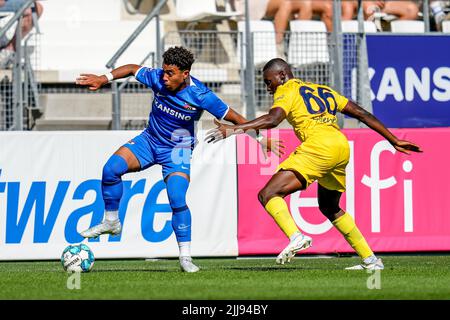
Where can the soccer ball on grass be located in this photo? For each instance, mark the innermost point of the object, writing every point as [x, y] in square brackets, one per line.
[77, 258]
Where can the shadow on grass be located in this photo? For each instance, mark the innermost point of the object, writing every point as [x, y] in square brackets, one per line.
[274, 268]
[132, 270]
[282, 268]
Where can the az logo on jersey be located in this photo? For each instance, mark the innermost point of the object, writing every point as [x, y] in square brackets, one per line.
[189, 107]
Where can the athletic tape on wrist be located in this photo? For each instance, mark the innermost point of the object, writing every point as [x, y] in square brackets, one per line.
[109, 76]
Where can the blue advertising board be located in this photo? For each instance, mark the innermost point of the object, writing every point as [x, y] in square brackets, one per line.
[410, 79]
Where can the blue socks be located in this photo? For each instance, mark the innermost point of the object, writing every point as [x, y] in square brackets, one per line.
[112, 186]
[112, 190]
[181, 218]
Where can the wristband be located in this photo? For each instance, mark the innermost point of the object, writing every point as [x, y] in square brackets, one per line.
[109, 76]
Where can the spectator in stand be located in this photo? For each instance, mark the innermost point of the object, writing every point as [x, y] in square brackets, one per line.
[404, 10]
[322, 8]
[8, 45]
[280, 11]
[439, 11]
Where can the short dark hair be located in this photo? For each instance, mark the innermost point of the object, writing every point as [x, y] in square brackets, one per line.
[278, 64]
[180, 57]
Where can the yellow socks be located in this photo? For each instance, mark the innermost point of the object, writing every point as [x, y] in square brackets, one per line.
[278, 209]
[346, 225]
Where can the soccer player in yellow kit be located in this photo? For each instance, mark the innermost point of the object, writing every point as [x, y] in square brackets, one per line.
[322, 156]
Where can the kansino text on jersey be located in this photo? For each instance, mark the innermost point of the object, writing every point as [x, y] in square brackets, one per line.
[172, 112]
[324, 119]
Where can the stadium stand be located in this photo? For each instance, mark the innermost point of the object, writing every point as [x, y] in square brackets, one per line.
[446, 26]
[83, 10]
[202, 10]
[351, 26]
[308, 51]
[264, 45]
[187, 16]
[407, 26]
[87, 47]
[76, 38]
[308, 42]
[208, 29]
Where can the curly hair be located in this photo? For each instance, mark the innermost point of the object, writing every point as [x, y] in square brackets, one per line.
[180, 57]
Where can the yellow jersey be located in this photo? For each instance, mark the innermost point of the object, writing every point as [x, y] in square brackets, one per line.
[310, 108]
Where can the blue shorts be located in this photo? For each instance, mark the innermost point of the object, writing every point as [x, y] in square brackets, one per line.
[148, 153]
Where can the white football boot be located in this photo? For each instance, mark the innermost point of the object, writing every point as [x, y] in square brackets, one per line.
[187, 265]
[377, 265]
[106, 227]
[301, 242]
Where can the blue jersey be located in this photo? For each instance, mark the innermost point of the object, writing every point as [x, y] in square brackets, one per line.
[174, 114]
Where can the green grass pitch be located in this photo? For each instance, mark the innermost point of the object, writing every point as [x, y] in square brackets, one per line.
[405, 277]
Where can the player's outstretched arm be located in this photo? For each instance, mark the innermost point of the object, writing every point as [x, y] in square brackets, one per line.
[94, 82]
[268, 144]
[355, 111]
[267, 121]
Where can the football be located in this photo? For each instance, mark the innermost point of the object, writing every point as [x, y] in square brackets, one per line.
[77, 258]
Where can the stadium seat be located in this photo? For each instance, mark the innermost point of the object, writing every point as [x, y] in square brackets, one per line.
[264, 44]
[68, 50]
[446, 26]
[351, 26]
[407, 26]
[72, 11]
[307, 42]
[201, 10]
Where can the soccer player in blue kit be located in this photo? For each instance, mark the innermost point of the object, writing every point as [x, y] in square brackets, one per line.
[179, 101]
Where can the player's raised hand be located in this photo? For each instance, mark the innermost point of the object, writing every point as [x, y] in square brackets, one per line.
[406, 147]
[92, 81]
[221, 132]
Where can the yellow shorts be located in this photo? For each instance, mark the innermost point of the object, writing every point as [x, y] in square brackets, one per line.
[322, 158]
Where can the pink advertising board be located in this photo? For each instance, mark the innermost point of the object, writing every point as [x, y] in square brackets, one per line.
[400, 202]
